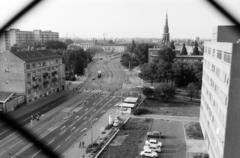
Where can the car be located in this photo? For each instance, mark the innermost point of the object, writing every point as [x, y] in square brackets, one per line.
[149, 153]
[153, 142]
[116, 122]
[152, 148]
[154, 134]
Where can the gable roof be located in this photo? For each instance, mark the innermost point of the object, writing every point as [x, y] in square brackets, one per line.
[4, 96]
[37, 55]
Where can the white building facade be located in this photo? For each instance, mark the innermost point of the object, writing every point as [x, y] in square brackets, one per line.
[219, 96]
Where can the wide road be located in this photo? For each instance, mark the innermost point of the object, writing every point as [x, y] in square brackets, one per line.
[59, 128]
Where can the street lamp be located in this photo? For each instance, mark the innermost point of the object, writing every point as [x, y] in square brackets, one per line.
[91, 129]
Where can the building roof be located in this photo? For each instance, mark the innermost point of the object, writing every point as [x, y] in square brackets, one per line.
[4, 96]
[114, 44]
[190, 56]
[131, 99]
[126, 105]
[37, 55]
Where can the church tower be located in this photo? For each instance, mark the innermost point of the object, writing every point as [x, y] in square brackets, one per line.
[166, 36]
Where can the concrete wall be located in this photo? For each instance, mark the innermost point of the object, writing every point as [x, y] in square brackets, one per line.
[12, 78]
[232, 135]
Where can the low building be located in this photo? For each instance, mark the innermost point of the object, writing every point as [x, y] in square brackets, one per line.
[118, 48]
[85, 46]
[34, 74]
[189, 58]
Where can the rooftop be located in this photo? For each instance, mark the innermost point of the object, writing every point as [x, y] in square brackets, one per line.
[38, 55]
[131, 99]
[4, 96]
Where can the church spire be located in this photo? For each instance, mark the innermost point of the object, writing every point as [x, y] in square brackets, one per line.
[165, 38]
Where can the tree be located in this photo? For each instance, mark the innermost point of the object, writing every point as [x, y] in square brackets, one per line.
[56, 45]
[195, 49]
[133, 46]
[172, 45]
[191, 90]
[147, 91]
[14, 48]
[149, 72]
[164, 71]
[110, 41]
[68, 41]
[184, 50]
[165, 90]
[141, 52]
[166, 54]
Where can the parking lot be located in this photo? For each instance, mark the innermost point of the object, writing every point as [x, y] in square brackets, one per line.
[174, 145]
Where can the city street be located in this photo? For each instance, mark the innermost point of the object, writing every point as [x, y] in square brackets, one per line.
[68, 118]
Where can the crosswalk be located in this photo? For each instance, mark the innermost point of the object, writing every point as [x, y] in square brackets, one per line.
[105, 92]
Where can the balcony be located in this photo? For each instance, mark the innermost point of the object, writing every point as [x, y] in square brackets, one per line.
[45, 82]
[35, 86]
[45, 75]
[35, 78]
[54, 79]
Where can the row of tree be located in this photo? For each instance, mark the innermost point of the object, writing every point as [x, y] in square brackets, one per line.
[165, 68]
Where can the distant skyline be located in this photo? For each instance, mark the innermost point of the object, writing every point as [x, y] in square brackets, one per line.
[120, 18]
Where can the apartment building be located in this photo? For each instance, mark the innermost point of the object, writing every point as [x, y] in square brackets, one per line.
[34, 74]
[85, 46]
[219, 112]
[16, 36]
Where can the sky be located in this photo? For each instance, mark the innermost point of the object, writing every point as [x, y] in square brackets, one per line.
[120, 18]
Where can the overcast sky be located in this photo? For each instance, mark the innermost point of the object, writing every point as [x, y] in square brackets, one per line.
[120, 18]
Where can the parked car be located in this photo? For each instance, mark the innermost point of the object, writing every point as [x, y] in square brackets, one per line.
[139, 86]
[149, 153]
[153, 142]
[152, 148]
[116, 122]
[154, 134]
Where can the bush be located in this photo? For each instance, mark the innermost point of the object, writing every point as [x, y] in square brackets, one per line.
[73, 78]
[108, 127]
[140, 111]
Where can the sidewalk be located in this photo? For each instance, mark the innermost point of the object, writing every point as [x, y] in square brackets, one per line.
[98, 127]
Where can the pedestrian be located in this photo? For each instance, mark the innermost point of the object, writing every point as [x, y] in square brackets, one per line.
[80, 144]
[83, 144]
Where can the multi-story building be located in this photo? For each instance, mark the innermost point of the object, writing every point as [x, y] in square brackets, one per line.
[119, 48]
[16, 36]
[86, 45]
[34, 74]
[219, 112]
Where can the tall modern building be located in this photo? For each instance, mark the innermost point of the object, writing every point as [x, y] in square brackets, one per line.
[220, 95]
[16, 36]
[166, 35]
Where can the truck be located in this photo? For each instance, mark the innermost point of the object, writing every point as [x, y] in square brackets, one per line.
[99, 74]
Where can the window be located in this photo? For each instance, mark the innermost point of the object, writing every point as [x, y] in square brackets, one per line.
[227, 57]
[33, 65]
[219, 54]
[218, 72]
[39, 64]
[47, 63]
[29, 92]
[56, 61]
[44, 63]
[213, 68]
[28, 66]
[213, 52]
[209, 51]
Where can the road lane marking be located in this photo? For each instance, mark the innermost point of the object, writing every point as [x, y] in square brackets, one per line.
[56, 148]
[76, 117]
[50, 142]
[63, 132]
[103, 111]
[77, 129]
[45, 108]
[26, 119]
[109, 104]
[37, 113]
[94, 110]
[67, 138]
[63, 127]
[85, 122]
[3, 132]
[86, 109]
[71, 125]
[62, 99]
[73, 128]
[79, 118]
[36, 153]
[85, 118]
[53, 104]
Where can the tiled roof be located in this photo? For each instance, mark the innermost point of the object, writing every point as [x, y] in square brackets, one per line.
[4, 96]
[38, 55]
